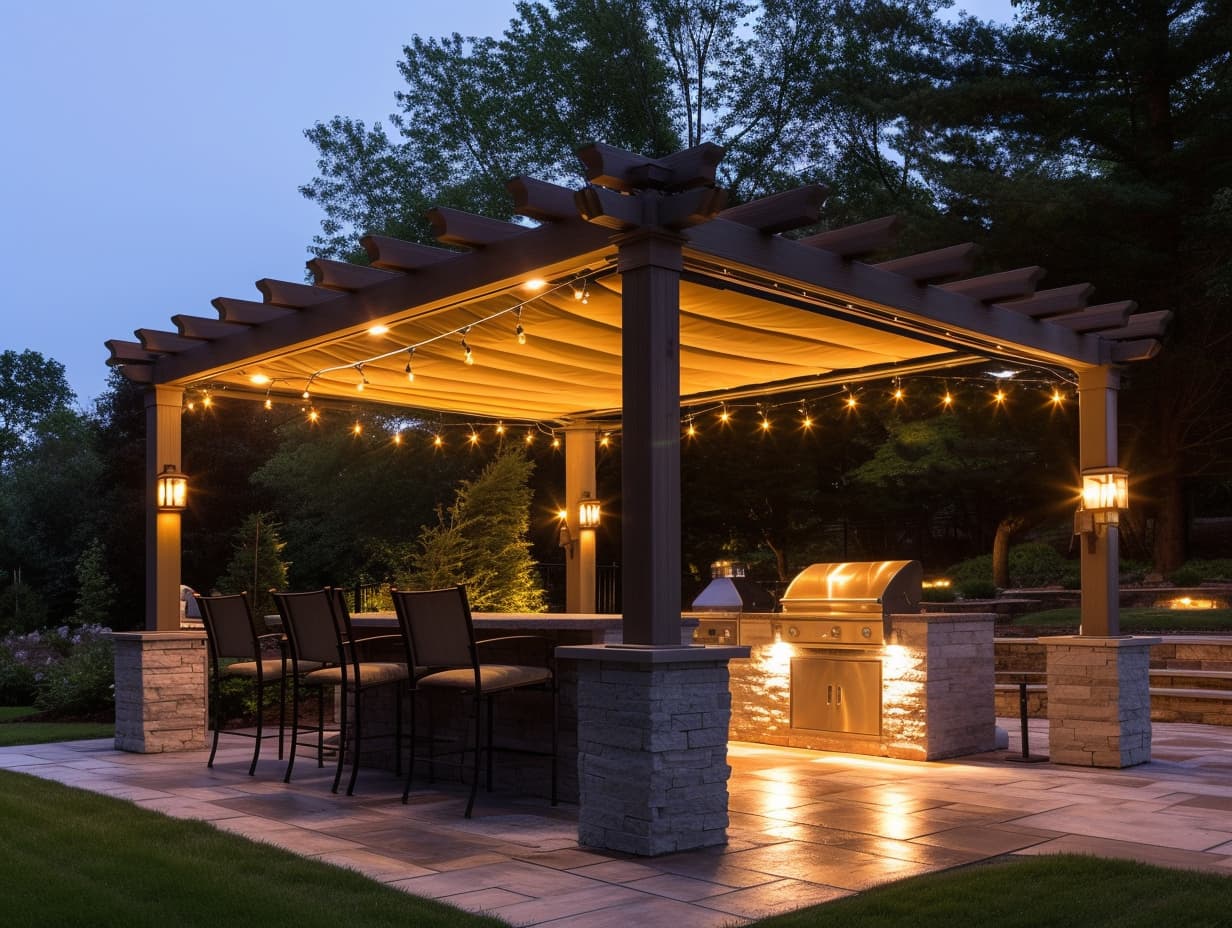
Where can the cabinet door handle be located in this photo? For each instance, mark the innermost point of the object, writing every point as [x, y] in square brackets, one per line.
[830, 695]
[839, 693]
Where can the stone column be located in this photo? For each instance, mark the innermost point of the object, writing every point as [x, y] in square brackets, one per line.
[652, 746]
[160, 691]
[1099, 700]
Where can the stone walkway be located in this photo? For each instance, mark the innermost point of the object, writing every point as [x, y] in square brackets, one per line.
[806, 827]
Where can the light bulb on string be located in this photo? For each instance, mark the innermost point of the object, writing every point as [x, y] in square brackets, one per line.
[947, 400]
[438, 441]
[851, 401]
[765, 420]
[1057, 399]
[725, 416]
[530, 437]
[500, 428]
[690, 429]
[899, 394]
[468, 355]
[206, 400]
[605, 440]
[518, 329]
[363, 378]
[555, 441]
[410, 356]
[313, 415]
[999, 397]
[473, 438]
[398, 437]
[357, 429]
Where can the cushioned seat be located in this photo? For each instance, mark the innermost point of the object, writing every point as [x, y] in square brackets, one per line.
[440, 636]
[238, 651]
[319, 630]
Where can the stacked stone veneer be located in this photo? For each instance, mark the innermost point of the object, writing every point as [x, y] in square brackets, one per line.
[160, 691]
[937, 691]
[652, 729]
[1099, 700]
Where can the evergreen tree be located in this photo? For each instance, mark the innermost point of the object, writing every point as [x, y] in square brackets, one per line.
[95, 591]
[256, 565]
[481, 540]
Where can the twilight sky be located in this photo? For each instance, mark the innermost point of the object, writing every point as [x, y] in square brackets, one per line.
[154, 151]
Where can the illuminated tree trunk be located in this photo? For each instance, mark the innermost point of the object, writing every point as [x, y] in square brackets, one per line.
[1007, 528]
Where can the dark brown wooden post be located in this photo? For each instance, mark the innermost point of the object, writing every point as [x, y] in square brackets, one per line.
[650, 263]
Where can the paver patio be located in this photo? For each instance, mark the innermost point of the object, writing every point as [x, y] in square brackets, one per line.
[806, 827]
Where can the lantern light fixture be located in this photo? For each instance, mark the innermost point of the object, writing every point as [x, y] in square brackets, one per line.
[171, 490]
[1105, 492]
[589, 511]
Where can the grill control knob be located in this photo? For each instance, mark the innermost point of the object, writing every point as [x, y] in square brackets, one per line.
[866, 632]
[836, 632]
[793, 632]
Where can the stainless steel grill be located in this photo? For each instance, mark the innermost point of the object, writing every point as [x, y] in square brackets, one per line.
[848, 604]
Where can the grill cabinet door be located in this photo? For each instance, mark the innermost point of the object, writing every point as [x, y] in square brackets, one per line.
[836, 695]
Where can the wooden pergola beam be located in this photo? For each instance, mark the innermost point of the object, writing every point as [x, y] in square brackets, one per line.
[342, 275]
[1000, 286]
[393, 254]
[248, 312]
[294, 295]
[201, 327]
[537, 199]
[861, 238]
[928, 266]
[1052, 302]
[125, 352]
[166, 342]
[1142, 325]
[455, 227]
[1095, 318]
[617, 169]
[780, 212]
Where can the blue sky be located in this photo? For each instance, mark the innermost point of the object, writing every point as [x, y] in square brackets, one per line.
[154, 149]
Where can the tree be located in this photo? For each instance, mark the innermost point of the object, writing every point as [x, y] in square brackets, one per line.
[32, 388]
[95, 591]
[477, 112]
[256, 566]
[480, 540]
[1094, 138]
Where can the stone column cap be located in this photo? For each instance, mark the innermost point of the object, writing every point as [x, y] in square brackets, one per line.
[1097, 641]
[185, 635]
[652, 654]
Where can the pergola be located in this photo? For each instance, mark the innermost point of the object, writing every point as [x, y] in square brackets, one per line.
[630, 298]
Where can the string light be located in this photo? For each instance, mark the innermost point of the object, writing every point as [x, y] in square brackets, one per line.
[357, 429]
[398, 437]
[313, 415]
[363, 378]
[410, 356]
[852, 402]
[473, 438]
[555, 441]
[206, 401]
[899, 395]
[999, 397]
[469, 356]
[1057, 399]
[518, 329]
[438, 441]
[948, 399]
[605, 440]
[530, 437]
[691, 429]
[725, 416]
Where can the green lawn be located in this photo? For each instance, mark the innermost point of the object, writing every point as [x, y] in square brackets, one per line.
[15, 731]
[1141, 620]
[71, 857]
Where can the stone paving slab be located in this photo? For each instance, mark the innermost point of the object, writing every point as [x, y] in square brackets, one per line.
[806, 827]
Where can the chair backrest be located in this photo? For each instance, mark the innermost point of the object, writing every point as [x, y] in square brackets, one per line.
[437, 623]
[311, 625]
[229, 626]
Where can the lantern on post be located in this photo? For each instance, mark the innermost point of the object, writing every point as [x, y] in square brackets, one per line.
[588, 511]
[171, 490]
[1105, 492]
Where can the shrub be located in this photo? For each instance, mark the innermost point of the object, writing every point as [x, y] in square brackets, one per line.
[938, 594]
[17, 685]
[83, 684]
[976, 568]
[978, 589]
[1193, 572]
[1037, 564]
[62, 671]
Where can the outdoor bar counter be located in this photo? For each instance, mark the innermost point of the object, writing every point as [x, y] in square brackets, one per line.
[520, 719]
